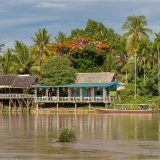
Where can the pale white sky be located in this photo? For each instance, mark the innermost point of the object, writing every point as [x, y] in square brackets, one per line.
[20, 19]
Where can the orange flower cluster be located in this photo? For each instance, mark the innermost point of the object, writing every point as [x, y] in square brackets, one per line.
[78, 44]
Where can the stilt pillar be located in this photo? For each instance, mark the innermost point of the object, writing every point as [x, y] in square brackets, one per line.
[106, 105]
[1, 106]
[89, 107]
[37, 107]
[10, 106]
[57, 107]
[75, 107]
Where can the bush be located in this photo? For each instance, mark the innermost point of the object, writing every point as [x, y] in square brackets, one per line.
[67, 135]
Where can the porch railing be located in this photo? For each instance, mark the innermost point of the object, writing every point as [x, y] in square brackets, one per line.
[54, 98]
[72, 99]
[16, 96]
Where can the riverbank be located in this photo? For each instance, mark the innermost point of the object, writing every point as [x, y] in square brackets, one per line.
[64, 110]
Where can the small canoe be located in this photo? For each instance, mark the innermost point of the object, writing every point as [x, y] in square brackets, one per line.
[124, 111]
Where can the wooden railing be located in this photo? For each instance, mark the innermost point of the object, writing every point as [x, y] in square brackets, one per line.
[16, 96]
[72, 99]
[55, 99]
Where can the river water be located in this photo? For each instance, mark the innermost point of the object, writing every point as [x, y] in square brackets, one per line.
[99, 136]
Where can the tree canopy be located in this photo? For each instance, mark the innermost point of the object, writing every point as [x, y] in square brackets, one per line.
[58, 71]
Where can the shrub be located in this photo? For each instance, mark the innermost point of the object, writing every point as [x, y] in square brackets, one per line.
[67, 135]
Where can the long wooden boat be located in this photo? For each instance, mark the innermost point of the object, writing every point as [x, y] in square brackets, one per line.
[124, 111]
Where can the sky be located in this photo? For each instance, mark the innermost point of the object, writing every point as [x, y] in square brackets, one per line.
[20, 19]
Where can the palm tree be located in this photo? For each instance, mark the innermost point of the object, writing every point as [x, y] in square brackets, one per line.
[41, 44]
[157, 45]
[144, 57]
[1, 45]
[6, 62]
[61, 37]
[23, 60]
[7, 67]
[136, 31]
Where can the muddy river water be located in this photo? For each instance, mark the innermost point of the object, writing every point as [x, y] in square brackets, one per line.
[99, 136]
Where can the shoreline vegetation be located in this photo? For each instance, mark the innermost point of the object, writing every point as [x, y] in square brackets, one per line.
[96, 48]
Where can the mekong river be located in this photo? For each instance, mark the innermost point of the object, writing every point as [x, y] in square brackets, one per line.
[99, 136]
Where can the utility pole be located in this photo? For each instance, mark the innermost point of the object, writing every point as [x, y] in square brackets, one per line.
[135, 76]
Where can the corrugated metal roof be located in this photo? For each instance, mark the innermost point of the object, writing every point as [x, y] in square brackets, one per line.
[78, 85]
[95, 77]
[17, 81]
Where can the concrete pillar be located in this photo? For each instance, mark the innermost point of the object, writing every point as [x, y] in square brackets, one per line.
[46, 94]
[104, 94]
[35, 94]
[92, 93]
[57, 94]
[69, 94]
[81, 93]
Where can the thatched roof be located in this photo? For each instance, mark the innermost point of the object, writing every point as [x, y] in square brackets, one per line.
[18, 81]
[98, 77]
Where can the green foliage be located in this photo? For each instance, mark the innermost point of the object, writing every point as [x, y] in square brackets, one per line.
[1, 45]
[6, 62]
[5, 109]
[25, 91]
[126, 96]
[23, 60]
[150, 87]
[57, 71]
[41, 43]
[67, 135]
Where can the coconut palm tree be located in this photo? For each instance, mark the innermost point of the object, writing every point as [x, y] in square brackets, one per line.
[61, 37]
[1, 45]
[23, 60]
[136, 31]
[157, 46]
[41, 44]
[135, 26]
[6, 62]
[144, 59]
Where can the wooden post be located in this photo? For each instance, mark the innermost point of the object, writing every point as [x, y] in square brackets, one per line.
[57, 107]
[37, 107]
[75, 107]
[106, 105]
[20, 105]
[10, 106]
[1, 103]
[89, 106]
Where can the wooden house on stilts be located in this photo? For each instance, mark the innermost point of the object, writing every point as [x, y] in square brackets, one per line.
[89, 88]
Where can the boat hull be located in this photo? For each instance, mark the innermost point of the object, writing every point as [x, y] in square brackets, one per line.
[123, 111]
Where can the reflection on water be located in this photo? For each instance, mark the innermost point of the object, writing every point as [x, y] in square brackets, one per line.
[102, 136]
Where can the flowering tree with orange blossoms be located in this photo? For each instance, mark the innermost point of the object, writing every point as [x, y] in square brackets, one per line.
[84, 54]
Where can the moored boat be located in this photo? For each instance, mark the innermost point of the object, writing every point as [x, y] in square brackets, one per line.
[124, 111]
